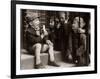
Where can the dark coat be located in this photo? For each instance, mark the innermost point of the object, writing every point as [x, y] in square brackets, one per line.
[32, 38]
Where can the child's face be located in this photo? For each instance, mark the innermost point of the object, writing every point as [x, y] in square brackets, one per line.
[62, 19]
[51, 22]
[82, 23]
[78, 23]
[35, 23]
[75, 24]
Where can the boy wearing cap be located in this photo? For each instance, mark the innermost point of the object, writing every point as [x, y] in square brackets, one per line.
[38, 41]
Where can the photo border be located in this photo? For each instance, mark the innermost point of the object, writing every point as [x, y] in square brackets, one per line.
[13, 38]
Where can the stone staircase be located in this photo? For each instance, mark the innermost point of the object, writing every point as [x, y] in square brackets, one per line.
[27, 60]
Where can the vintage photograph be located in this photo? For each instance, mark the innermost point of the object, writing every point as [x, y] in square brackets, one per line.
[51, 39]
[54, 39]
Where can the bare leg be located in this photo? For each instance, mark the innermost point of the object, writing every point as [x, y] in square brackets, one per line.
[50, 50]
[44, 48]
[37, 48]
[51, 53]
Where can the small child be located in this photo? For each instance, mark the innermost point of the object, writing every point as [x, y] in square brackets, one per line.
[78, 40]
[38, 41]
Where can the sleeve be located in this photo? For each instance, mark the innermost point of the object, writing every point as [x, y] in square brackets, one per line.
[32, 37]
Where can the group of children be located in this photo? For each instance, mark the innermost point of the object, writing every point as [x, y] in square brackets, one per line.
[72, 39]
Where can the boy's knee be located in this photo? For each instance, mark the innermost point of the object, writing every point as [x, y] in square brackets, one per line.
[50, 47]
[37, 46]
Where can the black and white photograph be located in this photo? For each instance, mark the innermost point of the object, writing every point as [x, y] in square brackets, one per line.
[52, 39]
[55, 39]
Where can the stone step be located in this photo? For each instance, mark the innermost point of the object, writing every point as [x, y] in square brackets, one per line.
[27, 60]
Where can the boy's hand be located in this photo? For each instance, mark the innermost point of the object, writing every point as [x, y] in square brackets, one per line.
[44, 27]
[37, 33]
[44, 30]
[42, 36]
[49, 42]
[80, 30]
